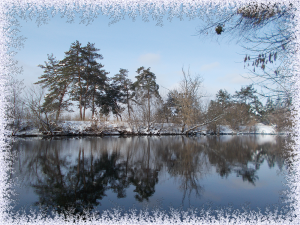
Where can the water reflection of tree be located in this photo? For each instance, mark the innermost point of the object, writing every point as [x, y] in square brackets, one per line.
[233, 156]
[144, 175]
[83, 185]
[61, 185]
[63, 192]
[243, 156]
[186, 163]
[113, 174]
[248, 174]
[191, 165]
[115, 165]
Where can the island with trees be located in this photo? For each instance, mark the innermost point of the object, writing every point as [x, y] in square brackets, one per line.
[118, 105]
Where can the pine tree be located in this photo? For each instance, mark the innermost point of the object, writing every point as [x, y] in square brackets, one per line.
[74, 65]
[246, 95]
[125, 88]
[168, 109]
[99, 82]
[256, 107]
[110, 101]
[93, 76]
[87, 75]
[223, 97]
[57, 80]
[146, 88]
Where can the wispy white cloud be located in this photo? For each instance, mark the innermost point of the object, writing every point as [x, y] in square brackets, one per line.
[210, 66]
[149, 58]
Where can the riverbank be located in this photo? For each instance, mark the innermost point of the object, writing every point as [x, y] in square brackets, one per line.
[89, 128]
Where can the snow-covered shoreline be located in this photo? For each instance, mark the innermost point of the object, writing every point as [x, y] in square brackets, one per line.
[88, 128]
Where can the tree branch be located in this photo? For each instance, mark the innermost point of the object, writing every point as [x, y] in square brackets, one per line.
[199, 125]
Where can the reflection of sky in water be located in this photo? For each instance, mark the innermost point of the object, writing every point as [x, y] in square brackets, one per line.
[259, 139]
[262, 139]
[233, 189]
[169, 190]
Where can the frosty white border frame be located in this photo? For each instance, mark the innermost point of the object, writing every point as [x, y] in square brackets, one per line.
[131, 8]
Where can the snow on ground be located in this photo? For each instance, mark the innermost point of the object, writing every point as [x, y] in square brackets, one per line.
[264, 129]
[226, 130]
[75, 126]
[111, 128]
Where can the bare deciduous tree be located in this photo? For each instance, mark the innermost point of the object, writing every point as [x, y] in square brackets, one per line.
[14, 110]
[41, 118]
[188, 103]
[187, 99]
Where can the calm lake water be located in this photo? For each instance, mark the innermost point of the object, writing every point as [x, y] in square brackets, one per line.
[135, 172]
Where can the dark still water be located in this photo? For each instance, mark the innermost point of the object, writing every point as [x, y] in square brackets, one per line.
[97, 173]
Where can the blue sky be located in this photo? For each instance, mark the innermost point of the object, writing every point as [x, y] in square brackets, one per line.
[129, 45]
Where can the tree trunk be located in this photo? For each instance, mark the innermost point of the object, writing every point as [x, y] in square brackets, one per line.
[83, 117]
[128, 106]
[80, 86]
[59, 105]
[57, 114]
[148, 109]
[60, 176]
[60, 101]
[80, 107]
[78, 166]
[182, 128]
[199, 125]
[84, 182]
[85, 99]
[93, 104]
